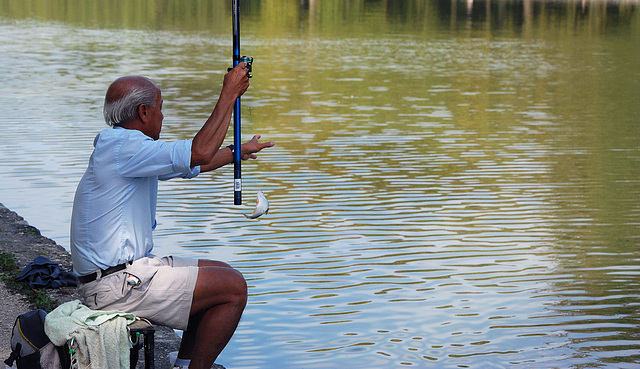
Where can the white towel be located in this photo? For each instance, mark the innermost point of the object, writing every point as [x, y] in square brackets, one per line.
[102, 337]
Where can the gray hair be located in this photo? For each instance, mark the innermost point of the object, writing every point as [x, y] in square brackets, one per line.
[125, 108]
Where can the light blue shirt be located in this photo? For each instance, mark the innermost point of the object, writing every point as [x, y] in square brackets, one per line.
[114, 209]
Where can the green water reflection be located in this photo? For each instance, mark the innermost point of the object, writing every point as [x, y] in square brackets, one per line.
[339, 18]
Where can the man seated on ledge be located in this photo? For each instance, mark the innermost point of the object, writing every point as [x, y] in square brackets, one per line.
[114, 216]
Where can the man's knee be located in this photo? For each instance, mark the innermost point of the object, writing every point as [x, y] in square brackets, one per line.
[241, 290]
[216, 285]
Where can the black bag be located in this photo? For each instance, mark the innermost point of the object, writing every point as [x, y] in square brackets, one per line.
[31, 348]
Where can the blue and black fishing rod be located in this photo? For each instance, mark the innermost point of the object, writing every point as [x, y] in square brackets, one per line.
[237, 139]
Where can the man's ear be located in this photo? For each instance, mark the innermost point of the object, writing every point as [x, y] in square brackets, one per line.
[143, 112]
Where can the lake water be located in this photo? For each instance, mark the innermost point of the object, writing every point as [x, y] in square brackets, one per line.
[455, 184]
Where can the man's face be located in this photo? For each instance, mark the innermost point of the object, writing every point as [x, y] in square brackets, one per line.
[155, 119]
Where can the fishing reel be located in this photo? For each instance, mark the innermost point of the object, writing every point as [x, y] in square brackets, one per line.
[248, 61]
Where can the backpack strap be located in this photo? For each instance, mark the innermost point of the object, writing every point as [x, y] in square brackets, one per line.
[14, 355]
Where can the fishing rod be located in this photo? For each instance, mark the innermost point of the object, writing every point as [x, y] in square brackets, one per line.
[237, 139]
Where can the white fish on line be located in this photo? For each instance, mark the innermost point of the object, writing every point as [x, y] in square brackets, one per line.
[262, 207]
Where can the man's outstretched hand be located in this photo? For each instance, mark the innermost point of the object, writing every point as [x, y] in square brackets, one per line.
[251, 147]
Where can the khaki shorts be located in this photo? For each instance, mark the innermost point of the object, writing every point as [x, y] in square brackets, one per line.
[158, 289]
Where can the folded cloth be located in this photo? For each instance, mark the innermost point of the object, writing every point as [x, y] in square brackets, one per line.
[101, 337]
[44, 273]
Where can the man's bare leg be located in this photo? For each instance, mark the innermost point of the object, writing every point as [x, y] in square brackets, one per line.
[219, 298]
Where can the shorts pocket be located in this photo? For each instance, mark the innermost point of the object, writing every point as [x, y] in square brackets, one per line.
[107, 291]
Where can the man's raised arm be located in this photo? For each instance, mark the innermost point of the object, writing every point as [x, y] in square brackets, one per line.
[207, 141]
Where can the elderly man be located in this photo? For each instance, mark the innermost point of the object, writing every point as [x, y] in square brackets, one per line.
[114, 216]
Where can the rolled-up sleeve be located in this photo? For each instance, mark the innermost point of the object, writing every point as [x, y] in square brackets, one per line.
[141, 156]
[181, 159]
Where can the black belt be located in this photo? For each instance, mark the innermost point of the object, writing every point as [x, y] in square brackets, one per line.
[103, 273]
